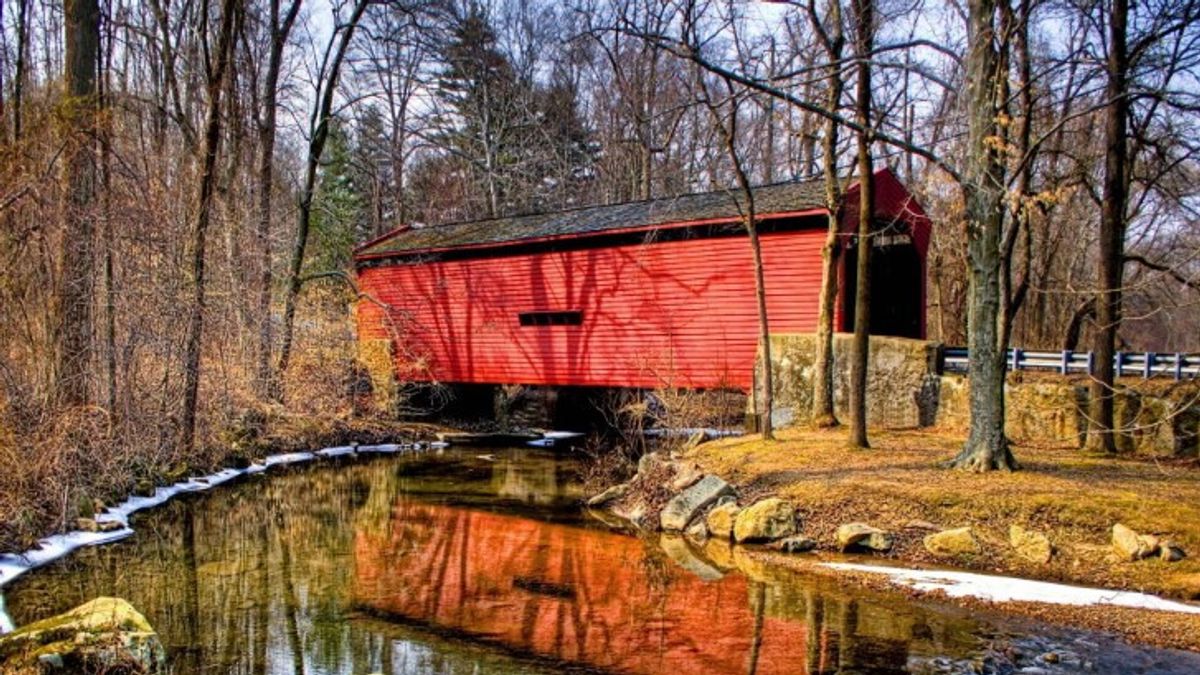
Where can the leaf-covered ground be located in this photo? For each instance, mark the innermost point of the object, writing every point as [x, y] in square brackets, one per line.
[900, 485]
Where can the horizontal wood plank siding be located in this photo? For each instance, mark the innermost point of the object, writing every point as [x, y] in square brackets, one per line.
[679, 313]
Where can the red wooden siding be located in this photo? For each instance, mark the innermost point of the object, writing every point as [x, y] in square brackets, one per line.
[676, 313]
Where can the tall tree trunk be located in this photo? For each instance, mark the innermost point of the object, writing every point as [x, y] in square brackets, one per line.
[212, 140]
[110, 303]
[834, 41]
[1100, 437]
[764, 394]
[983, 187]
[1013, 290]
[864, 39]
[79, 176]
[319, 127]
[19, 75]
[266, 187]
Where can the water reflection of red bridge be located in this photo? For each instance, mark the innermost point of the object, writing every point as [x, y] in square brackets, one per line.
[570, 593]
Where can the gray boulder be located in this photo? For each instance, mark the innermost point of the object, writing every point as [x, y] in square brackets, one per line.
[686, 505]
[610, 495]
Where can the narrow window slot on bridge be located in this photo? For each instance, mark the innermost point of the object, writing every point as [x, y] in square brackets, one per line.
[560, 318]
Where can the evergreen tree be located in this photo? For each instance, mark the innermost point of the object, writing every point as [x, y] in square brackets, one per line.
[340, 214]
[481, 108]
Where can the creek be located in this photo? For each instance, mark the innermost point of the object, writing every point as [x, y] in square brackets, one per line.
[474, 561]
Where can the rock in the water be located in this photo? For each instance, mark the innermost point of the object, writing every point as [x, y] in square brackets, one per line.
[104, 635]
[720, 520]
[860, 535]
[797, 544]
[1131, 546]
[678, 550]
[610, 495]
[697, 531]
[1171, 552]
[1030, 545]
[684, 506]
[766, 520]
[93, 525]
[959, 541]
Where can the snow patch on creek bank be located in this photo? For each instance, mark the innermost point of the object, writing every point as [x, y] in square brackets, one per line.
[13, 565]
[1011, 589]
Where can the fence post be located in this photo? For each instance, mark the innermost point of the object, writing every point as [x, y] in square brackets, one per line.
[1178, 366]
[1120, 358]
[1091, 362]
[1148, 368]
[1016, 359]
[1066, 361]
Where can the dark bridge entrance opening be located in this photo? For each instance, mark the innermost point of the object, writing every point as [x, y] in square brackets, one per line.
[896, 283]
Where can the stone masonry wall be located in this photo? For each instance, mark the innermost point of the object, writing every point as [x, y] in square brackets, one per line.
[904, 390]
[900, 377]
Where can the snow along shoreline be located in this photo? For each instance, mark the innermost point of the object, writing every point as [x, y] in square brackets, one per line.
[55, 546]
[957, 584]
[954, 584]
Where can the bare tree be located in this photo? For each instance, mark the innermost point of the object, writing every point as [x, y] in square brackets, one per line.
[322, 113]
[983, 188]
[212, 140]
[280, 28]
[833, 41]
[725, 118]
[864, 32]
[79, 176]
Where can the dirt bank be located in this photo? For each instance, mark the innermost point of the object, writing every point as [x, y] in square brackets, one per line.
[899, 485]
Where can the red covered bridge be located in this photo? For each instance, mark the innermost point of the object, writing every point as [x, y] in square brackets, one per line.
[644, 294]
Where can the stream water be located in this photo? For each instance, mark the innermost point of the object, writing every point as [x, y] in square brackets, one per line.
[465, 562]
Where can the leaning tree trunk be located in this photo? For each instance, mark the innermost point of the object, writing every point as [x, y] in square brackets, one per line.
[79, 177]
[212, 140]
[983, 186]
[822, 405]
[266, 188]
[1101, 437]
[864, 37]
[319, 126]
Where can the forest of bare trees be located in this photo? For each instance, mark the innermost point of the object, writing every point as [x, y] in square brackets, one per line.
[182, 183]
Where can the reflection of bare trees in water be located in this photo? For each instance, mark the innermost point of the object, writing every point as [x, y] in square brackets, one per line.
[264, 577]
[532, 483]
[250, 579]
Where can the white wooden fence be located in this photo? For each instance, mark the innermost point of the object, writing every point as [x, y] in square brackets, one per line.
[1125, 364]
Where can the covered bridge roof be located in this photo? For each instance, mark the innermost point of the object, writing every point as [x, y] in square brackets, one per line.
[779, 198]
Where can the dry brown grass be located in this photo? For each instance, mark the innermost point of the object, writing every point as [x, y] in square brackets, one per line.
[1073, 498]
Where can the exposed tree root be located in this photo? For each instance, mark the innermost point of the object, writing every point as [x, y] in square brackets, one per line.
[980, 457]
[826, 421]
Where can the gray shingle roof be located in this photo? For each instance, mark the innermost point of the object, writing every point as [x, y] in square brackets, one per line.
[776, 198]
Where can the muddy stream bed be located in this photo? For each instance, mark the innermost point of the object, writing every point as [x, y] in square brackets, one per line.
[468, 561]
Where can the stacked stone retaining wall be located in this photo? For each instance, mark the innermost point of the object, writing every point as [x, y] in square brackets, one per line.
[906, 390]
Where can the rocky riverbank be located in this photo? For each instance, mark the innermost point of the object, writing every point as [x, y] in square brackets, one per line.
[804, 495]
